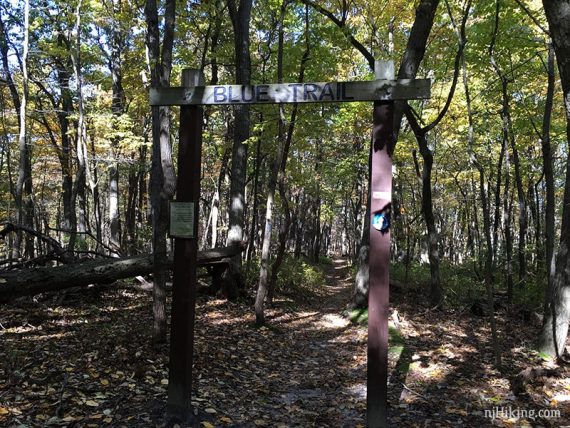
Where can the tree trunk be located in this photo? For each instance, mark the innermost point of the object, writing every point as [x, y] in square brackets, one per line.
[283, 235]
[436, 293]
[555, 328]
[23, 194]
[216, 200]
[277, 176]
[485, 207]
[254, 216]
[115, 64]
[28, 282]
[548, 169]
[360, 293]
[299, 225]
[503, 155]
[163, 180]
[240, 16]
[520, 191]
[83, 174]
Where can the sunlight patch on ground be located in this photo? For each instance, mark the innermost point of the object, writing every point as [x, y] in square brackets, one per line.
[33, 337]
[358, 390]
[305, 315]
[333, 321]
[223, 318]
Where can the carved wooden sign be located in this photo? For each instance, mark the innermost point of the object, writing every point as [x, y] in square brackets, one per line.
[286, 93]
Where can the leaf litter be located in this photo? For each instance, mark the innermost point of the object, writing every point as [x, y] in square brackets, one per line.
[87, 361]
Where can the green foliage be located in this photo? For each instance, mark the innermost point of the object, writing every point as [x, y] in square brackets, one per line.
[396, 342]
[299, 276]
[532, 294]
[359, 316]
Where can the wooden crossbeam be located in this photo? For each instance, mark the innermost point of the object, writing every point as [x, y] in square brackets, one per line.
[287, 93]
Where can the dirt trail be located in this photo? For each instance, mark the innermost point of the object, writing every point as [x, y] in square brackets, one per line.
[311, 361]
[88, 362]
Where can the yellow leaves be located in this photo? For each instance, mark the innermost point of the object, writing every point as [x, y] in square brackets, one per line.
[207, 424]
[96, 416]
[104, 382]
[117, 375]
[164, 382]
[4, 411]
[226, 420]
[91, 403]
[455, 411]
[70, 418]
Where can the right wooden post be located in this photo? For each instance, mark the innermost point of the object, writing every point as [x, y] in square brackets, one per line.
[379, 256]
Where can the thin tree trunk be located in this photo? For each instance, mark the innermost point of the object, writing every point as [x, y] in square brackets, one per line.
[83, 174]
[507, 223]
[115, 64]
[299, 226]
[520, 193]
[240, 16]
[548, 170]
[24, 203]
[254, 221]
[497, 217]
[555, 327]
[163, 180]
[277, 175]
[283, 234]
[485, 205]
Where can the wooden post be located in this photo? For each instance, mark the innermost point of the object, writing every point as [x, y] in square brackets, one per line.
[185, 255]
[379, 258]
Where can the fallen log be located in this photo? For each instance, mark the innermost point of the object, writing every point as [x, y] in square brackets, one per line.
[27, 282]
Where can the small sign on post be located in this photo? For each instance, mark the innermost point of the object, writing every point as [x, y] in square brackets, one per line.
[181, 220]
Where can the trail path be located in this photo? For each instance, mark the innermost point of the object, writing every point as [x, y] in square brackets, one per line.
[86, 361]
[307, 368]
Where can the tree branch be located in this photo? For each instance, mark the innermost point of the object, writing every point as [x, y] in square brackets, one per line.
[341, 23]
[457, 64]
[531, 16]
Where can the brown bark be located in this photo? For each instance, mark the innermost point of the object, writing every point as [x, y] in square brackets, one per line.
[266, 286]
[240, 15]
[555, 328]
[28, 282]
[163, 181]
[483, 191]
[548, 169]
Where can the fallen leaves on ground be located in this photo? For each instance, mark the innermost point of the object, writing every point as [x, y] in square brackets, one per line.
[88, 362]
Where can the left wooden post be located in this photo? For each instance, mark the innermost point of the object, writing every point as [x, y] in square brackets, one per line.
[184, 228]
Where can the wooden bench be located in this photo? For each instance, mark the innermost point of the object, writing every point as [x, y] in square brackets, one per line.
[217, 263]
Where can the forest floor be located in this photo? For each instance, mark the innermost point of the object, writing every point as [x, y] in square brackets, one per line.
[86, 360]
